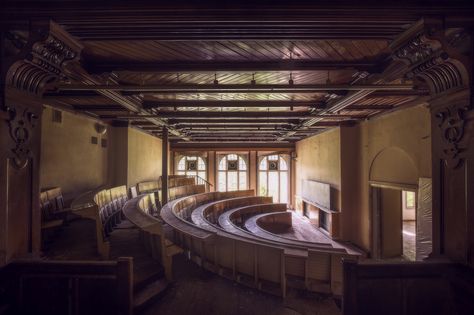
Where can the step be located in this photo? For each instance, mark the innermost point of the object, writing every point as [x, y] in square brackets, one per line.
[148, 294]
[147, 277]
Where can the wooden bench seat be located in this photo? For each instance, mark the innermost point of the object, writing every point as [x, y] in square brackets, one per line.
[209, 213]
[249, 259]
[104, 207]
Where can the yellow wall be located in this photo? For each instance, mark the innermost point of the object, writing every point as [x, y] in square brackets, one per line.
[70, 161]
[406, 130]
[68, 158]
[144, 157]
[343, 158]
[319, 158]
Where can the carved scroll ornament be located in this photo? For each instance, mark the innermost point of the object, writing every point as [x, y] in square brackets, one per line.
[48, 52]
[21, 123]
[451, 121]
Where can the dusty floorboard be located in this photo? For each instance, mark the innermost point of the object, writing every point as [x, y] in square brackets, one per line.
[196, 291]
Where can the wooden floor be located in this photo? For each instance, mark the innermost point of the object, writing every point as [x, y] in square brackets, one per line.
[194, 291]
[409, 240]
[302, 229]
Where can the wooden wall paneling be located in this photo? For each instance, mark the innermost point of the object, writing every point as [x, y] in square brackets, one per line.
[453, 216]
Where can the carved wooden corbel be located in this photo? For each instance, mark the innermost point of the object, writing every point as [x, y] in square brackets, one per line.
[40, 60]
[440, 58]
[48, 53]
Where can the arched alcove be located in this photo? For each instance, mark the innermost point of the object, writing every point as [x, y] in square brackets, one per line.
[393, 165]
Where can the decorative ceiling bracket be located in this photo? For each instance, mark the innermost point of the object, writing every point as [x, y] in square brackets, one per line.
[44, 60]
[434, 55]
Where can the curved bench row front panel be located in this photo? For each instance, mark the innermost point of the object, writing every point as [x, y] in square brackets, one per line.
[183, 207]
[207, 216]
[250, 260]
[104, 207]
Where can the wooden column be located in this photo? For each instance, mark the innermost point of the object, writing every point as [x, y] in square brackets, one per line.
[44, 58]
[452, 128]
[164, 170]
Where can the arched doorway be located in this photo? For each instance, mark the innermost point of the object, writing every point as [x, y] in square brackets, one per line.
[398, 229]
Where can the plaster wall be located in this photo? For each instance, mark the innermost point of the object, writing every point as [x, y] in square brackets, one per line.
[319, 158]
[406, 130]
[343, 157]
[68, 158]
[144, 157]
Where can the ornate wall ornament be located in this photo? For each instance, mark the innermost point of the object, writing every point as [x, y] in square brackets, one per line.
[21, 123]
[434, 55]
[451, 121]
[44, 59]
[416, 50]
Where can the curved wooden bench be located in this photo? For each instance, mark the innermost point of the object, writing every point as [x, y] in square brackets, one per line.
[104, 206]
[207, 216]
[153, 232]
[185, 190]
[232, 221]
[252, 261]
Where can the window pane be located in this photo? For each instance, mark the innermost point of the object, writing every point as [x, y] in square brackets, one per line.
[242, 164]
[191, 173]
[181, 173]
[222, 182]
[284, 187]
[410, 199]
[232, 181]
[182, 164]
[273, 185]
[262, 184]
[232, 157]
[223, 164]
[201, 165]
[283, 164]
[192, 158]
[243, 180]
[202, 175]
[273, 157]
[263, 164]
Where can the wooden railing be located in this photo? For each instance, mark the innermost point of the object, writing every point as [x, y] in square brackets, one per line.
[409, 288]
[68, 287]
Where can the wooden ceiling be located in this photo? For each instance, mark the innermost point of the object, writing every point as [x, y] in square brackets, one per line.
[235, 74]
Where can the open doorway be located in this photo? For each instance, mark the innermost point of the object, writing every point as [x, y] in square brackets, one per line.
[394, 223]
[409, 224]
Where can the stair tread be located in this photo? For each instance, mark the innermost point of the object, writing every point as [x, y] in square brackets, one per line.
[149, 292]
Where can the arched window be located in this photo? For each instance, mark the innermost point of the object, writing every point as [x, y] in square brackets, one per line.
[273, 179]
[192, 165]
[232, 173]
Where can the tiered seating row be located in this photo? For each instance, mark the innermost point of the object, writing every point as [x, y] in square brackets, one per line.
[53, 211]
[152, 231]
[173, 181]
[103, 206]
[251, 260]
[110, 203]
[243, 215]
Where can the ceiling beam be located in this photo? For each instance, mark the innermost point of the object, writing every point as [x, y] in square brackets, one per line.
[235, 88]
[229, 103]
[233, 114]
[232, 122]
[225, 66]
